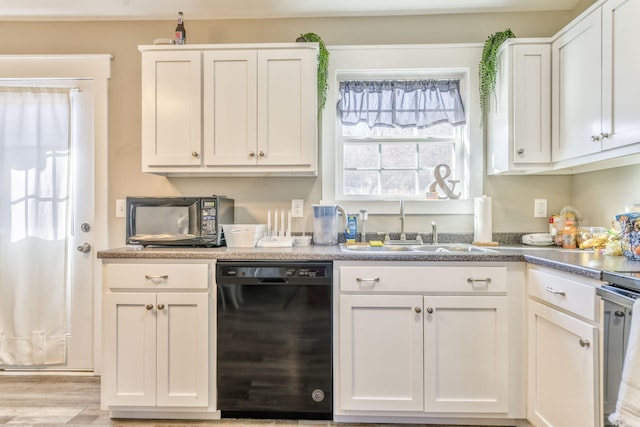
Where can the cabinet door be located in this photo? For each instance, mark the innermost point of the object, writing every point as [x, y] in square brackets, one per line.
[519, 124]
[576, 93]
[230, 110]
[466, 354]
[620, 68]
[381, 353]
[563, 369]
[287, 107]
[171, 124]
[532, 104]
[183, 349]
[129, 343]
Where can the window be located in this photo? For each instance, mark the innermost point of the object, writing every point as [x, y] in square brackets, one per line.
[401, 138]
[363, 158]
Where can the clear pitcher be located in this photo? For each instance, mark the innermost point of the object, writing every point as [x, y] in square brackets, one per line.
[326, 224]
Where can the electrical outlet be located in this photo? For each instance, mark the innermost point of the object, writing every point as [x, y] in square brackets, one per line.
[540, 208]
[297, 208]
[120, 208]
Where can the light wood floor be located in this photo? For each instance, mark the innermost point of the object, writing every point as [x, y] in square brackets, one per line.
[62, 400]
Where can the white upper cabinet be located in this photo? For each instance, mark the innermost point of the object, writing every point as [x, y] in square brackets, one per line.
[171, 117]
[620, 71]
[577, 98]
[519, 116]
[260, 109]
[596, 88]
[230, 109]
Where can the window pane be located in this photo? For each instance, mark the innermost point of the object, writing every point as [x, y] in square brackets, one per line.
[399, 156]
[364, 156]
[360, 182]
[398, 183]
[432, 155]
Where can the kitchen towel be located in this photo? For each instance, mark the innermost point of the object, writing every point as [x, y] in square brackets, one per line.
[482, 220]
[627, 412]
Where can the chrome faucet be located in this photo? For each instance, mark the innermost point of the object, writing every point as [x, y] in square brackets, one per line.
[402, 235]
[434, 233]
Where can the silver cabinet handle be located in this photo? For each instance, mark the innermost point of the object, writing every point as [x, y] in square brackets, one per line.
[430, 310]
[418, 310]
[521, 151]
[619, 313]
[595, 138]
[555, 292]
[371, 280]
[85, 248]
[195, 154]
[584, 342]
[160, 306]
[604, 135]
[156, 276]
[472, 280]
[252, 154]
[261, 153]
[148, 306]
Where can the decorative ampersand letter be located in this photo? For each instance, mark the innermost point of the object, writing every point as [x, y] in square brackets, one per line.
[440, 182]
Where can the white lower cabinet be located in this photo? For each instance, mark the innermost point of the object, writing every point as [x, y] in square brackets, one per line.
[563, 374]
[381, 352]
[157, 340]
[427, 341]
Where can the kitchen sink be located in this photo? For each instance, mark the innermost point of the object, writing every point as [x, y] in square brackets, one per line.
[438, 248]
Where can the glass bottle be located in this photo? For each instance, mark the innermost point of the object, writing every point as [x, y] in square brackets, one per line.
[181, 33]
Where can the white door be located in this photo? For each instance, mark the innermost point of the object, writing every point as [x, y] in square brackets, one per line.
[80, 297]
[381, 354]
[466, 354]
[74, 344]
[563, 369]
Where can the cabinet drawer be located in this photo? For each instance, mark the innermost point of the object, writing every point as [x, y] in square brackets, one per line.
[563, 292]
[156, 276]
[423, 279]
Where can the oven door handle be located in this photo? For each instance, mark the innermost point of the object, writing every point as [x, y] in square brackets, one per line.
[623, 298]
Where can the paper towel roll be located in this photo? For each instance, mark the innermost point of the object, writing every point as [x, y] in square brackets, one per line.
[482, 225]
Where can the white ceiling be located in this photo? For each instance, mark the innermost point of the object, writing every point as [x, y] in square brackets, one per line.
[238, 9]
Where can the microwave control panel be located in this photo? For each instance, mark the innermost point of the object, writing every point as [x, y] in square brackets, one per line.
[208, 218]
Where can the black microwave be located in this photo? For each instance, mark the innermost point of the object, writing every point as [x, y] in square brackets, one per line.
[177, 221]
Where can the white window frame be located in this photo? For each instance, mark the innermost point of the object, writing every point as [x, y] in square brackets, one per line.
[354, 62]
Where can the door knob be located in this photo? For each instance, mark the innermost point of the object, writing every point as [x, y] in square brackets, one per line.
[85, 248]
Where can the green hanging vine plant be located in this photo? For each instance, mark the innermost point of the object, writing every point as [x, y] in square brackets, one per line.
[323, 66]
[487, 67]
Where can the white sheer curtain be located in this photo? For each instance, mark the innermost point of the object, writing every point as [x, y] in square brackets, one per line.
[34, 198]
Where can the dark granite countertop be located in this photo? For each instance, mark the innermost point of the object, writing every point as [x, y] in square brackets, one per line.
[585, 263]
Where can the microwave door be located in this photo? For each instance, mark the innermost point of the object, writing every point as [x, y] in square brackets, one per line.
[157, 224]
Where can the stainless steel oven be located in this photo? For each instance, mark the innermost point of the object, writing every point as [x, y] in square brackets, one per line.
[619, 294]
[274, 339]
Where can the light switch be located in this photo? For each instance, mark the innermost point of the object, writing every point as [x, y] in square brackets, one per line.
[120, 208]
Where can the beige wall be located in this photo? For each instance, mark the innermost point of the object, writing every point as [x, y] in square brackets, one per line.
[513, 196]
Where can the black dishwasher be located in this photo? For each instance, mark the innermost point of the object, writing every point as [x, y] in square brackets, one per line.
[274, 339]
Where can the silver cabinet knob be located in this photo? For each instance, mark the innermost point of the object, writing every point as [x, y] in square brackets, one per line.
[160, 306]
[252, 154]
[148, 306]
[86, 227]
[261, 153]
[521, 151]
[604, 135]
[584, 342]
[418, 310]
[195, 154]
[595, 138]
[85, 248]
[430, 310]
